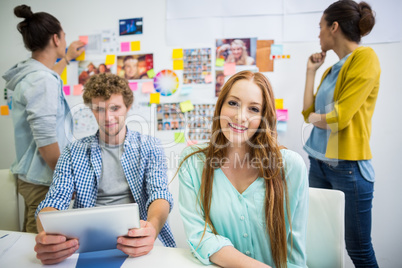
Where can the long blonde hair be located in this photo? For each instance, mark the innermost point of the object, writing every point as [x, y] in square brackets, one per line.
[265, 147]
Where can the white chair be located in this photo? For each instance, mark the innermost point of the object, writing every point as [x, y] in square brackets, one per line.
[8, 201]
[325, 245]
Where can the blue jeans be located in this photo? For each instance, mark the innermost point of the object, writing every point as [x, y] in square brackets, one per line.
[346, 177]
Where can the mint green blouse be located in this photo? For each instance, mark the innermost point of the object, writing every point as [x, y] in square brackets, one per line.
[239, 219]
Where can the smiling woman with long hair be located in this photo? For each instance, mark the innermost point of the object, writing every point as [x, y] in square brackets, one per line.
[243, 199]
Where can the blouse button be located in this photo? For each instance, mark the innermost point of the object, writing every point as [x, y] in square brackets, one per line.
[242, 218]
[247, 252]
[245, 235]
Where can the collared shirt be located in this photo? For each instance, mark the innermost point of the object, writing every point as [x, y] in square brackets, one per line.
[79, 169]
[239, 219]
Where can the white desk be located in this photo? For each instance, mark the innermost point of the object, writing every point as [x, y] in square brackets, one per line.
[21, 254]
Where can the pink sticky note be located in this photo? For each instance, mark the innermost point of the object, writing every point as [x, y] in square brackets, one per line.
[282, 115]
[229, 68]
[124, 46]
[77, 89]
[148, 87]
[84, 39]
[133, 85]
[208, 78]
[190, 142]
[66, 90]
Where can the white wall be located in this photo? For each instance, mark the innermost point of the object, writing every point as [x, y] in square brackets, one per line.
[84, 17]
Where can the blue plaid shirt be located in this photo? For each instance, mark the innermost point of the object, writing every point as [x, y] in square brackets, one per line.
[78, 171]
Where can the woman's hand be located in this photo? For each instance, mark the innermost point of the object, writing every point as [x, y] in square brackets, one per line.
[315, 61]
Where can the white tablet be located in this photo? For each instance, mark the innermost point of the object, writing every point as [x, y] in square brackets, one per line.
[96, 228]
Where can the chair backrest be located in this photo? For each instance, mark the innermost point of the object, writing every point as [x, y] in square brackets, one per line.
[8, 201]
[325, 243]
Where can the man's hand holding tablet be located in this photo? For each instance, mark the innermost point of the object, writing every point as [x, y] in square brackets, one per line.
[62, 233]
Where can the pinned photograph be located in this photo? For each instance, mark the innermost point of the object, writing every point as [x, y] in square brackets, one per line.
[88, 68]
[241, 51]
[130, 26]
[133, 67]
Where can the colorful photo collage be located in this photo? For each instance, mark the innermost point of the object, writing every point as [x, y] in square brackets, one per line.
[199, 121]
[197, 65]
[170, 117]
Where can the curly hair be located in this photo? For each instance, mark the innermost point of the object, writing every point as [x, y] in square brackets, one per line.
[106, 84]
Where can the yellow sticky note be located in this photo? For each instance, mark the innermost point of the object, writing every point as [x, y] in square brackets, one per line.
[177, 64]
[151, 73]
[135, 45]
[4, 110]
[279, 104]
[81, 57]
[179, 137]
[155, 98]
[186, 106]
[177, 53]
[63, 76]
[219, 62]
[110, 59]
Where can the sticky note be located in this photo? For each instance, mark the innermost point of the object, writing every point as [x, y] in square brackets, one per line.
[186, 90]
[179, 137]
[177, 64]
[77, 89]
[282, 114]
[155, 98]
[4, 110]
[276, 49]
[63, 76]
[151, 73]
[186, 106]
[208, 78]
[229, 68]
[66, 90]
[81, 56]
[148, 87]
[83, 39]
[135, 45]
[110, 59]
[189, 142]
[281, 126]
[219, 62]
[124, 46]
[133, 86]
[279, 104]
[177, 53]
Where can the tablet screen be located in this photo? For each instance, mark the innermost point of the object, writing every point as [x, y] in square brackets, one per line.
[95, 228]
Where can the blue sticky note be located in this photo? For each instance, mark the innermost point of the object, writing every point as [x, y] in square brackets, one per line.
[113, 258]
[281, 126]
[276, 49]
[186, 90]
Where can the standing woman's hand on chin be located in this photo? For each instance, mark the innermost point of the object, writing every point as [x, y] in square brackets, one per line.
[315, 61]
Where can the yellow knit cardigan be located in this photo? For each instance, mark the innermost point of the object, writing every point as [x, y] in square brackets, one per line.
[355, 95]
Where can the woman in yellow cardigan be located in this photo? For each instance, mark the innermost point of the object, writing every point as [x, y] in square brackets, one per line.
[341, 112]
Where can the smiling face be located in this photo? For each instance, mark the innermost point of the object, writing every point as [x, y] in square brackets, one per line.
[110, 115]
[241, 112]
[130, 68]
[237, 51]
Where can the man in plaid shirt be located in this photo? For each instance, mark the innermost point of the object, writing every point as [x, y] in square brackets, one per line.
[114, 166]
